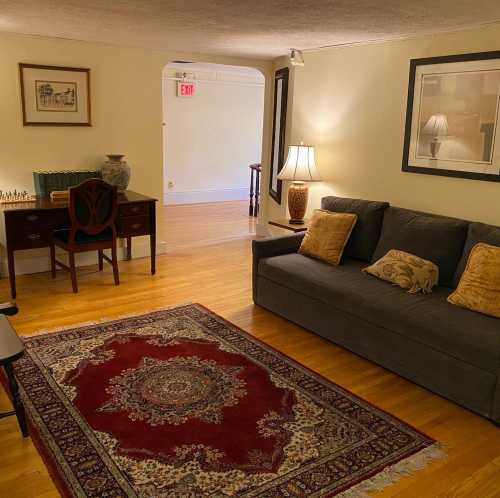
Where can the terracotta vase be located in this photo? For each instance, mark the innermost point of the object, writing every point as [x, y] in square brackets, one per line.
[116, 171]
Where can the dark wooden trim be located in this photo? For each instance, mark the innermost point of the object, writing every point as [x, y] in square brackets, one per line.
[469, 175]
[23, 65]
[414, 63]
[281, 74]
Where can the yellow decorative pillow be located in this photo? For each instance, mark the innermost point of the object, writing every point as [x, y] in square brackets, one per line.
[327, 235]
[406, 270]
[479, 287]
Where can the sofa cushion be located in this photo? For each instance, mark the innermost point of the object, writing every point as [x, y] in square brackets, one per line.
[478, 232]
[425, 318]
[436, 238]
[409, 272]
[366, 233]
[327, 235]
[479, 287]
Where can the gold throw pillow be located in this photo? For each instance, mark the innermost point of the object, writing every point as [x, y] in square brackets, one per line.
[406, 270]
[479, 287]
[327, 235]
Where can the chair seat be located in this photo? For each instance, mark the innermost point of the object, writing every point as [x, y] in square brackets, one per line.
[83, 238]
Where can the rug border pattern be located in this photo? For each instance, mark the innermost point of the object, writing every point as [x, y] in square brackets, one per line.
[313, 385]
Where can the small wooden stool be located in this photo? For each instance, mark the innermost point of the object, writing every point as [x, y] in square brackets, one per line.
[11, 349]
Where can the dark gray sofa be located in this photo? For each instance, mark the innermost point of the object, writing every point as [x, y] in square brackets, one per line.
[451, 351]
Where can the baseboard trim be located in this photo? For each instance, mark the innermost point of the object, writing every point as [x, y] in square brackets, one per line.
[198, 196]
[37, 261]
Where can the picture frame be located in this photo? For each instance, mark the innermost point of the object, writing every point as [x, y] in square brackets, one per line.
[453, 116]
[279, 129]
[55, 95]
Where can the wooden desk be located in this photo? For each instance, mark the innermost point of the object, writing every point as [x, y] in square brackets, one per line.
[31, 225]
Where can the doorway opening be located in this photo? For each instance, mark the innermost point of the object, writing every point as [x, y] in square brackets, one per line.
[213, 119]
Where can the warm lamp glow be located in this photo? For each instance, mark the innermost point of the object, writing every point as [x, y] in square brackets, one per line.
[437, 126]
[300, 165]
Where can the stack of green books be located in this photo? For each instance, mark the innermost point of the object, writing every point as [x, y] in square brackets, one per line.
[48, 181]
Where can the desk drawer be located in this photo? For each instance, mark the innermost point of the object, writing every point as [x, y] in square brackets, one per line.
[26, 237]
[133, 225]
[29, 230]
[39, 219]
[134, 209]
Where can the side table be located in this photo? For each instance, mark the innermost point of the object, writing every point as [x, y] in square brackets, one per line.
[286, 225]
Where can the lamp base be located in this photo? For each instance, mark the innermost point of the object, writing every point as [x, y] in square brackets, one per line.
[435, 146]
[297, 202]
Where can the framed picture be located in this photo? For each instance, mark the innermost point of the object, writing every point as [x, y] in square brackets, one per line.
[55, 96]
[452, 116]
[279, 128]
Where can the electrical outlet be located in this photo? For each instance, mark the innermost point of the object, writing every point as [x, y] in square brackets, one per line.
[170, 184]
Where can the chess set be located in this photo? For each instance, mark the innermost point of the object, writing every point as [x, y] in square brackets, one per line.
[15, 197]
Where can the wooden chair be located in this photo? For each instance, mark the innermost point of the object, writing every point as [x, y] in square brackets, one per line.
[93, 206]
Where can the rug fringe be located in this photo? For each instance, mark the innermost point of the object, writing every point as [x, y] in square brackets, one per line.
[393, 473]
[103, 319]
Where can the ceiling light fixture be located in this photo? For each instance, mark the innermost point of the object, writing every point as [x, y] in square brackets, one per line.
[296, 57]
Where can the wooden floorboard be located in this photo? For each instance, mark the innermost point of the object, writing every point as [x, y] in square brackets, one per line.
[218, 275]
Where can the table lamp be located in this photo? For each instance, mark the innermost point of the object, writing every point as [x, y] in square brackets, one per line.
[437, 126]
[299, 167]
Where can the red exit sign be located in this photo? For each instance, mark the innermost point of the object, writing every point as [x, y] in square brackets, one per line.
[185, 89]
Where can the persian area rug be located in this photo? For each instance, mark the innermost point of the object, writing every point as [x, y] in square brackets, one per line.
[180, 403]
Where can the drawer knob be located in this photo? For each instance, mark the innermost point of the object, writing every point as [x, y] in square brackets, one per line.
[135, 209]
[135, 226]
[32, 217]
[34, 236]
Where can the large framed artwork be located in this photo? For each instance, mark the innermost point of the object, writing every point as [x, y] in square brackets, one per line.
[452, 116]
[279, 128]
[55, 96]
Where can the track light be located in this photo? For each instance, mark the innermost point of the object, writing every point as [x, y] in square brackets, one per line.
[296, 57]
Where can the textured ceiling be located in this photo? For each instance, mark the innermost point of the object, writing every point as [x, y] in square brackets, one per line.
[249, 28]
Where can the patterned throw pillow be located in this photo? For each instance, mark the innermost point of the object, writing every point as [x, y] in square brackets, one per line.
[479, 286]
[406, 270]
[327, 235]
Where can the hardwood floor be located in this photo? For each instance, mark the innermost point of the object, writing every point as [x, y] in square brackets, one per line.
[204, 224]
[218, 275]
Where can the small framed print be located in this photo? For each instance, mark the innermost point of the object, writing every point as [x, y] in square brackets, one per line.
[55, 96]
[453, 116]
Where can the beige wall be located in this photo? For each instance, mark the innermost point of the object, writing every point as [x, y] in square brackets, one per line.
[351, 103]
[211, 138]
[126, 111]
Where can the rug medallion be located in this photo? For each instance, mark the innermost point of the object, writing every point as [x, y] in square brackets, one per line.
[180, 403]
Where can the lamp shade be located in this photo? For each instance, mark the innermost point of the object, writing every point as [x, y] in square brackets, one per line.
[300, 165]
[437, 125]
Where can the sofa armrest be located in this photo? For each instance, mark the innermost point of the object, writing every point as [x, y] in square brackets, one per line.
[273, 246]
